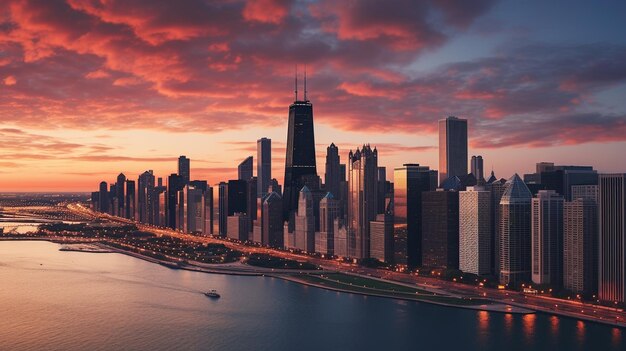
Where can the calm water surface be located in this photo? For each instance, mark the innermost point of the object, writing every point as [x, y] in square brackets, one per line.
[53, 300]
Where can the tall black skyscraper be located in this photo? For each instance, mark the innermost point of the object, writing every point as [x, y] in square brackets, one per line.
[104, 197]
[331, 178]
[175, 183]
[244, 170]
[130, 199]
[183, 169]
[410, 181]
[300, 158]
[263, 165]
[121, 180]
[452, 148]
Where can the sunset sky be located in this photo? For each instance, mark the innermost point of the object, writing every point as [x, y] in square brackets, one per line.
[91, 88]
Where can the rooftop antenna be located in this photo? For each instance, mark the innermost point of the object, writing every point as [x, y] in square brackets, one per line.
[305, 83]
[296, 87]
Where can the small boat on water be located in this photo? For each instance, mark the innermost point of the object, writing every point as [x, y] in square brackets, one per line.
[212, 294]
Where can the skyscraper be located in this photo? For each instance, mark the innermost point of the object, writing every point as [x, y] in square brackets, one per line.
[515, 232]
[477, 167]
[238, 226]
[547, 238]
[272, 221]
[193, 210]
[244, 170]
[580, 246]
[263, 165]
[237, 197]
[251, 191]
[496, 187]
[300, 157]
[222, 208]
[104, 197]
[325, 238]
[332, 177]
[452, 148]
[130, 199]
[475, 231]
[183, 169]
[121, 200]
[305, 222]
[381, 235]
[145, 192]
[612, 219]
[409, 183]
[175, 183]
[440, 229]
[562, 178]
[362, 199]
[589, 192]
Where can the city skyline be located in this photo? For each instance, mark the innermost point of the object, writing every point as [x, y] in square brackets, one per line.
[67, 125]
[287, 174]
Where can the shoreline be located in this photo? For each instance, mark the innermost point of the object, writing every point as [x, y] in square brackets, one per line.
[291, 276]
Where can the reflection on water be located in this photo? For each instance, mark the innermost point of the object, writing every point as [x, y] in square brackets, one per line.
[616, 337]
[528, 323]
[508, 323]
[116, 302]
[580, 331]
[483, 327]
[554, 327]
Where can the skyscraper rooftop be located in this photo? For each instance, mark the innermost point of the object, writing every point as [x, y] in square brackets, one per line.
[515, 191]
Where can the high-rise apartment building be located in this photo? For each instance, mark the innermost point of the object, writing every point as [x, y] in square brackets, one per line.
[580, 246]
[475, 231]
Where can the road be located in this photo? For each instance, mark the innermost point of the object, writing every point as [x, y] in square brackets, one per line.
[575, 309]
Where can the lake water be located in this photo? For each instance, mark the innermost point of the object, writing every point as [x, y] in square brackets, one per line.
[53, 300]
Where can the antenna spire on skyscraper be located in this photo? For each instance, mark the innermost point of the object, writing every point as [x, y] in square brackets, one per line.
[305, 83]
[296, 87]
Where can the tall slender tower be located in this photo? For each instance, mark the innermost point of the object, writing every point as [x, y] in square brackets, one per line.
[145, 192]
[120, 185]
[104, 197]
[263, 165]
[612, 218]
[332, 178]
[475, 230]
[130, 199]
[362, 199]
[547, 238]
[515, 232]
[305, 222]
[580, 246]
[452, 148]
[300, 158]
[325, 238]
[183, 168]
